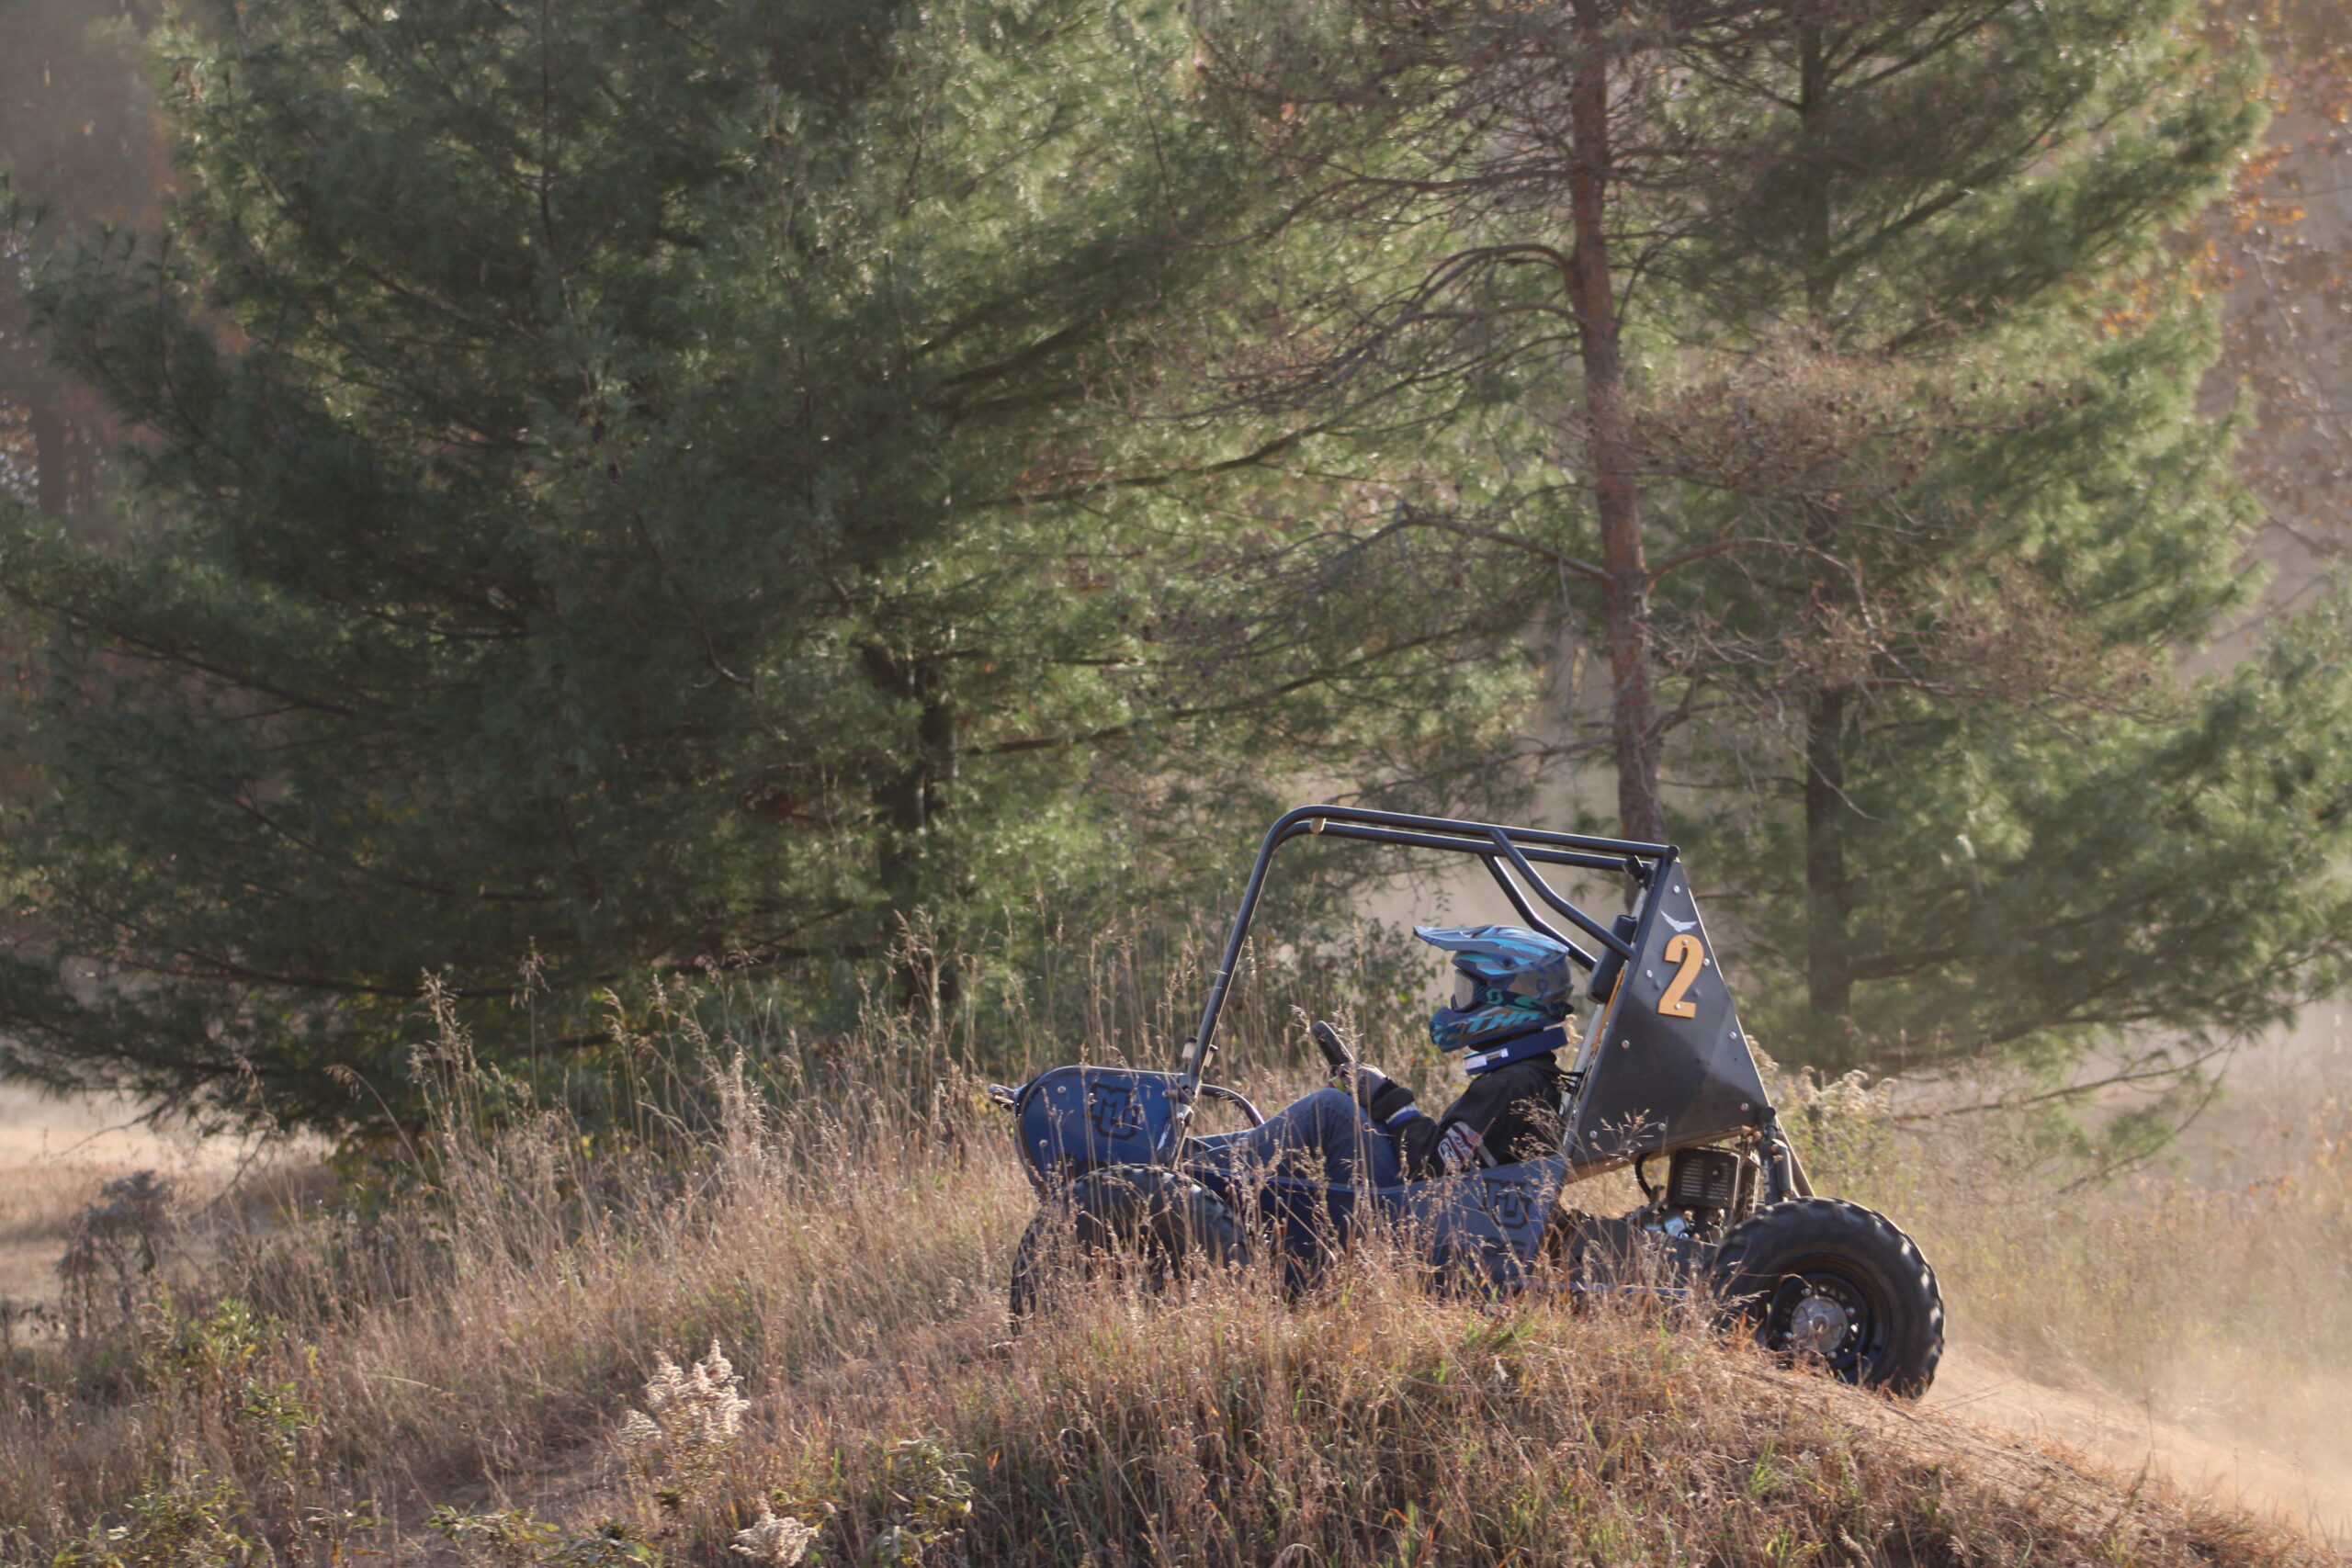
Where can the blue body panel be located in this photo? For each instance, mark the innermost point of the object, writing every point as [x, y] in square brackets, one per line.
[1479, 1230]
[1073, 1119]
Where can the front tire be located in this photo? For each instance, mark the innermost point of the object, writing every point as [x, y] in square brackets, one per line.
[1829, 1283]
[1139, 1222]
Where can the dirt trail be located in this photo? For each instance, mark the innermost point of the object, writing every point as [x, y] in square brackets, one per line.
[2307, 1483]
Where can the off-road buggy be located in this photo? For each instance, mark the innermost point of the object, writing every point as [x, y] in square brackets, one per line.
[1663, 1081]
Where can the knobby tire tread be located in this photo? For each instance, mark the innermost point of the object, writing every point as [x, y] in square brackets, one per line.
[1754, 1255]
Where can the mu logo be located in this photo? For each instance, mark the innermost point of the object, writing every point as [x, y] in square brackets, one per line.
[1512, 1204]
[1115, 1113]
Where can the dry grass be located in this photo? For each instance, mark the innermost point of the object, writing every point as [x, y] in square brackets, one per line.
[474, 1345]
[2211, 1289]
[1379, 1427]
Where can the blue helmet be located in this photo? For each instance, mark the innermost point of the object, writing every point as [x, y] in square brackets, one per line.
[1508, 981]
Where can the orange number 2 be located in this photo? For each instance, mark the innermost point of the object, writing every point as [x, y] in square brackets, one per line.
[1676, 1003]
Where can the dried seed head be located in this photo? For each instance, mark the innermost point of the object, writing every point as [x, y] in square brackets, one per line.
[773, 1543]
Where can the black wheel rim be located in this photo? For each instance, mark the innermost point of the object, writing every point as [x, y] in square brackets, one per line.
[1826, 1311]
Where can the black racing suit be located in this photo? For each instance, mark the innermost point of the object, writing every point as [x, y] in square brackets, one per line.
[1505, 1116]
[1373, 1135]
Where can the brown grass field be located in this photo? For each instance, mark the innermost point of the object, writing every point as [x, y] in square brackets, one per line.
[302, 1382]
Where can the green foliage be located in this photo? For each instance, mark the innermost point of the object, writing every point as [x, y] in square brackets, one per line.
[212, 1381]
[181, 1524]
[1965, 804]
[2052, 885]
[1929, 509]
[632, 491]
[868, 494]
[921, 1491]
[231, 1453]
[516, 1538]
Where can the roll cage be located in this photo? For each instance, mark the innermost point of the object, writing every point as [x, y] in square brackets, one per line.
[1663, 1064]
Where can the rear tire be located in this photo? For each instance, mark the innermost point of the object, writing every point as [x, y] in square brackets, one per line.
[1829, 1283]
[1028, 1267]
[1139, 1222]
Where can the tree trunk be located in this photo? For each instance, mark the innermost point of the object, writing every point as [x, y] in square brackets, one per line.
[1828, 966]
[1625, 601]
[1829, 976]
[911, 802]
[52, 457]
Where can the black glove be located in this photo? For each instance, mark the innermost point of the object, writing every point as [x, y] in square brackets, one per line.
[1380, 1095]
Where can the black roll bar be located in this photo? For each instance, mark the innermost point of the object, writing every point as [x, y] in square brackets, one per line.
[1523, 848]
[1527, 912]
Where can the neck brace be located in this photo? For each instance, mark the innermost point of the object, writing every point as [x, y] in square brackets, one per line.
[1518, 1048]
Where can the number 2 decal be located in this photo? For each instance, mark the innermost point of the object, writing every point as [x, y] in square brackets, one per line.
[1676, 1003]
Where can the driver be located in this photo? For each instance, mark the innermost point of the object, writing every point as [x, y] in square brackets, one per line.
[1508, 1013]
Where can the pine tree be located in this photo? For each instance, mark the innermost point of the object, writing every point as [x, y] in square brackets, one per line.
[645, 489]
[1513, 168]
[1925, 505]
[1989, 818]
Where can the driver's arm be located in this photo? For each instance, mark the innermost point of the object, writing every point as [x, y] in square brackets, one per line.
[1390, 1104]
[1500, 1116]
